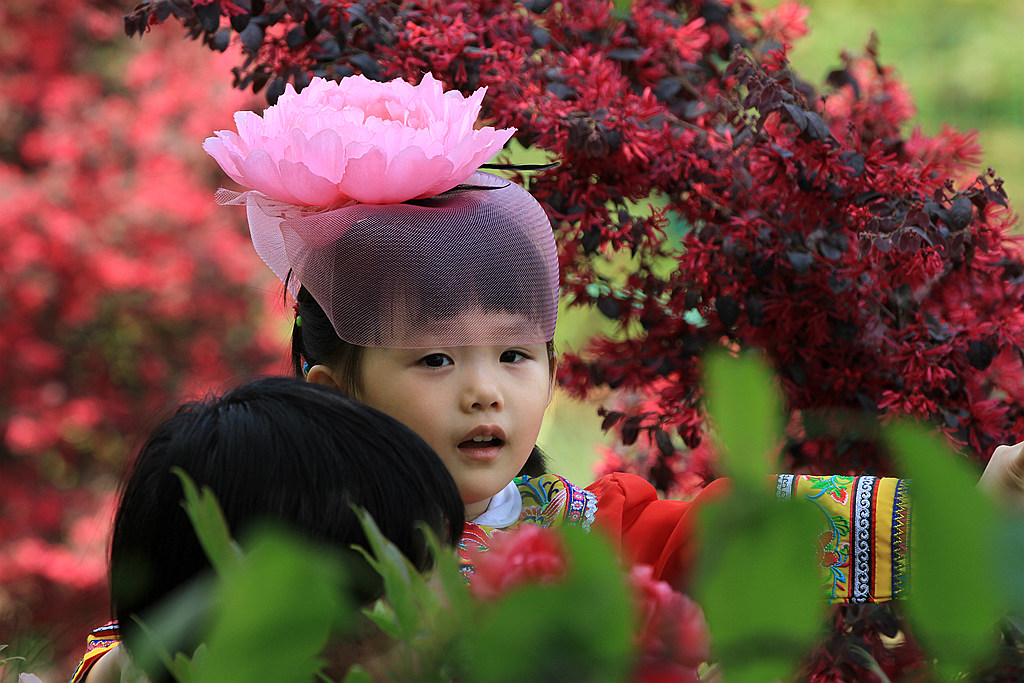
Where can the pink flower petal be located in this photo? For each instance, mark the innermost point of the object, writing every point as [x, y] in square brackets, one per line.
[324, 154]
[481, 148]
[375, 142]
[413, 172]
[215, 147]
[308, 188]
[251, 130]
[407, 176]
[261, 173]
[364, 178]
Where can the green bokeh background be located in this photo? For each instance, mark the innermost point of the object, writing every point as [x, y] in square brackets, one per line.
[961, 61]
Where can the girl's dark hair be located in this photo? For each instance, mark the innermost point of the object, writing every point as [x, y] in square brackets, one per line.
[274, 450]
[315, 342]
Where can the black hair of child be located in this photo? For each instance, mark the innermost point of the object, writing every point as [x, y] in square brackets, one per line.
[315, 341]
[274, 450]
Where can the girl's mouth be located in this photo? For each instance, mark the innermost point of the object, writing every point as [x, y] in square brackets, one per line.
[485, 448]
[486, 441]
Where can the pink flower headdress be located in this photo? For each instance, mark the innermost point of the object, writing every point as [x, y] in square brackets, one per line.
[368, 195]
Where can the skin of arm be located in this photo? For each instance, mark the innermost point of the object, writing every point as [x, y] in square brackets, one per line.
[108, 668]
[1003, 478]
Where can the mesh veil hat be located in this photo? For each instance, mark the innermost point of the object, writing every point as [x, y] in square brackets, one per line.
[401, 275]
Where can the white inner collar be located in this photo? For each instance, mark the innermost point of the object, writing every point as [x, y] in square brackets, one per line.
[504, 508]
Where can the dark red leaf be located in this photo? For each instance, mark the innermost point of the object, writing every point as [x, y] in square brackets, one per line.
[728, 310]
[630, 430]
[980, 354]
[960, 213]
[800, 260]
[816, 127]
[664, 442]
[611, 418]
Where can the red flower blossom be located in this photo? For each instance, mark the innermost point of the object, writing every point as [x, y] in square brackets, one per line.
[672, 626]
[785, 22]
[527, 554]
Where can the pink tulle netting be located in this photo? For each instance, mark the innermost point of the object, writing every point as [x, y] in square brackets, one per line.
[405, 275]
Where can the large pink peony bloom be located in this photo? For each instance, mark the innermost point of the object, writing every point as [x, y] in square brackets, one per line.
[357, 139]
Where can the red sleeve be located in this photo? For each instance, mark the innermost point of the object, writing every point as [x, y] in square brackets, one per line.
[648, 530]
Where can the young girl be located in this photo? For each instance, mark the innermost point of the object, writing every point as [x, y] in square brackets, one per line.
[430, 292]
[276, 450]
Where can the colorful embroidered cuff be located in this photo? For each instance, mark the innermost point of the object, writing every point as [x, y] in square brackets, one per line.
[864, 544]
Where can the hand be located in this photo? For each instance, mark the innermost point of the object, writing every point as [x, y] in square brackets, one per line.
[1003, 477]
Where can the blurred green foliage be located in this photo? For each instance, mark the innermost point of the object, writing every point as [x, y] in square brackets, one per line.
[758, 584]
[280, 602]
[579, 628]
[956, 597]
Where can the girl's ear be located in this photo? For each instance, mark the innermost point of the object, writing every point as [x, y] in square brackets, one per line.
[322, 374]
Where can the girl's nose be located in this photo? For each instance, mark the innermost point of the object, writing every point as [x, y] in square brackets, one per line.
[481, 392]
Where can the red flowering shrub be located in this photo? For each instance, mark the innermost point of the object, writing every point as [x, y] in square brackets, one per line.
[122, 288]
[745, 205]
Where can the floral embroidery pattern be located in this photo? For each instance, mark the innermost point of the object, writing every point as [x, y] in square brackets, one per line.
[862, 516]
[548, 501]
[835, 487]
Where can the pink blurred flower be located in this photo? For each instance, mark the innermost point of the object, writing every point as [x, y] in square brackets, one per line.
[673, 634]
[528, 554]
[786, 22]
[357, 139]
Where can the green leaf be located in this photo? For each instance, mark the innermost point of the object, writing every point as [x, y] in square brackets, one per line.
[757, 580]
[758, 585]
[169, 625]
[3, 662]
[427, 617]
[954, 603]
[579, 629]
[276, 613]
[403, 585]
[209, 523]
[448, 574]
[182, 668]
[1010, 542]
[744, 406]
[357, 674]
[384, 617]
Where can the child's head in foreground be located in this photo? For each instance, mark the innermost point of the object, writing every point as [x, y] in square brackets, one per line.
[438, 306]
[282, 451]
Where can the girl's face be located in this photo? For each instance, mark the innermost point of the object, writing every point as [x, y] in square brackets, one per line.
[479, 407]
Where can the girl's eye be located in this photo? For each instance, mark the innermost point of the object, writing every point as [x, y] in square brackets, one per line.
[512, 356]
[435, 360]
